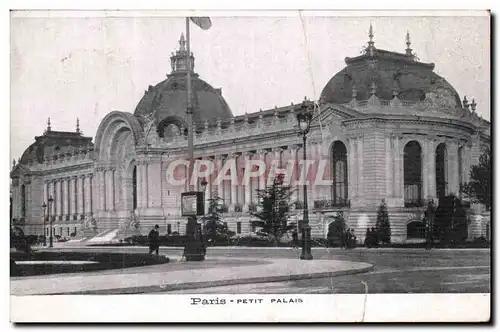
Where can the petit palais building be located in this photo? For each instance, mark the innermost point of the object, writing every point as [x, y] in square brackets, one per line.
[389, 127]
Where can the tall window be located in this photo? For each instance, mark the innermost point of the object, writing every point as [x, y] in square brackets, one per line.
[413, 174]
[441, 173]
[134, 187]
[460, 166]
[23, 201]
[339, 163]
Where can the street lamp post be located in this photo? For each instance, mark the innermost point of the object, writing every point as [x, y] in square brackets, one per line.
[44, 206]
[50, 200]
[203, 185]
[304, 119]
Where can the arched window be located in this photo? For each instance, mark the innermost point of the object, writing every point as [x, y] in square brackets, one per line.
[339, 174]
[413, 174]
[441, 171]
[134, 187]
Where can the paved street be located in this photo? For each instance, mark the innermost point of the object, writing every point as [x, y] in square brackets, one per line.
[395, 271]
[415, 271]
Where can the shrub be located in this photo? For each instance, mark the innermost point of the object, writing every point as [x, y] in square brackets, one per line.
[383, 226]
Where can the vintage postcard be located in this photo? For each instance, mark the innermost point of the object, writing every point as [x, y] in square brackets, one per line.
[286, 166]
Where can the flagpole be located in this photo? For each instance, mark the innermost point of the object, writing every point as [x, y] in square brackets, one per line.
[189, 108]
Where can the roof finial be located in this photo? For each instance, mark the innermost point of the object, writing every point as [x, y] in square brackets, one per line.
[395, 89]
[473, 105]
[77, 126]
[48, 125]
[182, 43]
[371, 42]
[465, 102]
[408, 43]
[374, 88]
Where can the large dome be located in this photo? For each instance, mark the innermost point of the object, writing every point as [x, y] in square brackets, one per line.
[389, 74]
[169, 98]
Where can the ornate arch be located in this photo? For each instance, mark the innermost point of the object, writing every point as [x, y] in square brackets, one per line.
[114, 123]
[178, 121]
[338, 139]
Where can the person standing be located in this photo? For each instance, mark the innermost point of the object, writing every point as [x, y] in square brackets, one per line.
[295, 239]
[154, 240]
[368, 238]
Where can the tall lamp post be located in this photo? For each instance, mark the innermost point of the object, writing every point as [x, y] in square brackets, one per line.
[203, 185]
[304, 119]
[44, 206]
[50, 201]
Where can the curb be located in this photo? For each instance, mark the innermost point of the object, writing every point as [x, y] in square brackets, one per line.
[96, 247]
[218, 283]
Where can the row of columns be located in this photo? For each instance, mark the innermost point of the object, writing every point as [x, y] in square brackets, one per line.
[72, 196]
[457, 166]
[242, 195]
[107, 188]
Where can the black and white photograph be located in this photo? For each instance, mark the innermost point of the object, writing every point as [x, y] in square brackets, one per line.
[274, 163]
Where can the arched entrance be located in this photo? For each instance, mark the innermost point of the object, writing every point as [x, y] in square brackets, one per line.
[415, 229]
[441, 171]
[413, 174]
[339, 171]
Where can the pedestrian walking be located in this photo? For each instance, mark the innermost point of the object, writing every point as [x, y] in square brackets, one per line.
[343, 239]
[154, 240]
[368, 238]
[295, 239]
[351, 239]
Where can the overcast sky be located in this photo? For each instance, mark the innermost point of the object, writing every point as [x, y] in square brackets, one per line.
[64, 68]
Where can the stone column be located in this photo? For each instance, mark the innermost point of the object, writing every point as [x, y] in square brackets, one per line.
[360, 172]
[65, 197]
[56, 195]
[261, 154]
[397, 168]
[138, 178]
[295, 172]
[87, 186]
[102, 189]
[52, 193]
[313, 192]
[431, 170]
[351, 169]
[425, 170]
[210, 179]
[247, 185]
[74, 195]
[452, 148]
[233, 186]
[144, 181]
[388, 164]
[80, 196]
[45, 192]
[216, 187]
[112, 189]
[107, 191]
[467, 162]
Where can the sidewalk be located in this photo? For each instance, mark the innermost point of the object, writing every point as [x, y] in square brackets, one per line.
[160, 279]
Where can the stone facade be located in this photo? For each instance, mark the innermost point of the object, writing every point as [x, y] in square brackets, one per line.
[375, 149]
